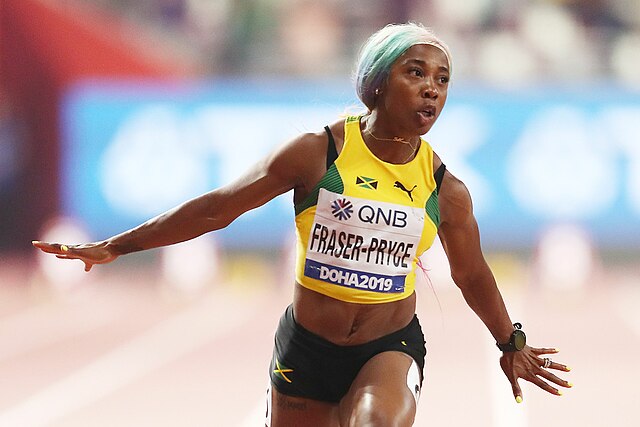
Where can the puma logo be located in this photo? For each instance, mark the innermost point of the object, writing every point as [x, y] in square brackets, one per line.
[399, 185]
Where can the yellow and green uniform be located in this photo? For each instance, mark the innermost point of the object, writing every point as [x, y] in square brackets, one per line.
[361, 230]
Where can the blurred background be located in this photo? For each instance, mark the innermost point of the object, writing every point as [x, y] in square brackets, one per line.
[112, 111]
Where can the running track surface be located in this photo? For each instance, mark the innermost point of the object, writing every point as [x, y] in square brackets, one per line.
[124, 348]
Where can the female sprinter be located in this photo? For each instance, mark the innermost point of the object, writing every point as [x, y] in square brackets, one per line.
[370, 196]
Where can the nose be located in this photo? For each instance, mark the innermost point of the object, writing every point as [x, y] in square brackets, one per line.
[429, 90]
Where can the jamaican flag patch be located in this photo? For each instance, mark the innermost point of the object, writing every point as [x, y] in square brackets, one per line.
[369, 183]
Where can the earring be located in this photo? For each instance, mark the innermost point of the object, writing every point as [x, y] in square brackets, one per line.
[377, 91]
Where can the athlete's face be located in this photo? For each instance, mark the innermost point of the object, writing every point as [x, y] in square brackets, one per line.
[416, 89]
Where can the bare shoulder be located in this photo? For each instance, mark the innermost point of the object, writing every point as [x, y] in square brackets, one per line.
[305, 151]
[305, 157]
[337, 130]
[316, 142]
[454, 199]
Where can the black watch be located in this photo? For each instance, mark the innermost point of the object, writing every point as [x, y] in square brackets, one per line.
[517, 340]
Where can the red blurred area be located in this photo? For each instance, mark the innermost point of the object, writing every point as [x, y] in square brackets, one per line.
[45, 47]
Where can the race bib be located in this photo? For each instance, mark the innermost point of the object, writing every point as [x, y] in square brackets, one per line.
[363, 244]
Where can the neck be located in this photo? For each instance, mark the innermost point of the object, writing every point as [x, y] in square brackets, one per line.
[379, 129]
[385, 143]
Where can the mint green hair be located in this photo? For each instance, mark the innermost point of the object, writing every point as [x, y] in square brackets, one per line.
[382, 49]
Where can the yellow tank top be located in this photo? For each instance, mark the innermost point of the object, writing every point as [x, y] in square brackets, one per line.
[361, 230]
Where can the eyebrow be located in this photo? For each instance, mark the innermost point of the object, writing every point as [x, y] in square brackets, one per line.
[423, 64]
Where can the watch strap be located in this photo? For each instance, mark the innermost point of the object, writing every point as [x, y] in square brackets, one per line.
[510, 346]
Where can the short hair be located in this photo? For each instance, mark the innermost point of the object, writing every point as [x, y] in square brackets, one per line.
[382, 49]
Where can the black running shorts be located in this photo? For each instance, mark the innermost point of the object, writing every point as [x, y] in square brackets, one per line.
[306, 365]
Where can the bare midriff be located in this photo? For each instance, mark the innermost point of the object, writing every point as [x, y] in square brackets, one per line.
[345, 323]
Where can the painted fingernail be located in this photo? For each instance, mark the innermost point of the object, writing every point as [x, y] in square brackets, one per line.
[519, 399]
[569, 385]
[567, 368]
[559, 393]
[64, 248]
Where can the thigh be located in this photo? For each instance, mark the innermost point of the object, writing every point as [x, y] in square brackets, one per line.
[380, 394]
[291, 411]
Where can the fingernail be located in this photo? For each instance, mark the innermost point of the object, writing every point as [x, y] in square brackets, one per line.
[64, 248]
[35, 241]
[559, 393]
[569, 385]
[519, 399]
[567, 368]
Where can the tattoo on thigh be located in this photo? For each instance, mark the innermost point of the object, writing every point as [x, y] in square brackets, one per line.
[283, 402]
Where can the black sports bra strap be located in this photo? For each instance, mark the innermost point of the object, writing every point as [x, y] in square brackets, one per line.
[439, 175]
[332, 152]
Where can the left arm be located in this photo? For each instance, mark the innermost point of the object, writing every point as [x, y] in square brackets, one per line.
[282, 170]
[460, 238]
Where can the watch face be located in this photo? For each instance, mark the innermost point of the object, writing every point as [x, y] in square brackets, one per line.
[519, 339]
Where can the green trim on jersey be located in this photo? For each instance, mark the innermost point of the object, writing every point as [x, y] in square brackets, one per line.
[331, 180]
[433, 208]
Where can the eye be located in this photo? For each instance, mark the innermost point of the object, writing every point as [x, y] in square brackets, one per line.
[416, 72]
[444, 80]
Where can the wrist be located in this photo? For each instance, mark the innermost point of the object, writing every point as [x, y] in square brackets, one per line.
[517, 340]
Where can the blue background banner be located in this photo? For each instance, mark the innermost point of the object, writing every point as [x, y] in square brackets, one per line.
[531, 159]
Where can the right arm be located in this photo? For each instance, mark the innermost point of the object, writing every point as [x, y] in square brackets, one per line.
[292, 166]
[461, 241]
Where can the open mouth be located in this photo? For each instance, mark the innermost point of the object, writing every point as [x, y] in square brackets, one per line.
[428, 112]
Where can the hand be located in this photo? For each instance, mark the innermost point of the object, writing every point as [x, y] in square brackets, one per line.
[89, 253]
[530, 366]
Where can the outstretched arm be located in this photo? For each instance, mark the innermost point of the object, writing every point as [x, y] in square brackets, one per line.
[282, 171]
[461, 241]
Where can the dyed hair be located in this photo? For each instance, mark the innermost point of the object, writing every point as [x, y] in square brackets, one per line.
[382, 49]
